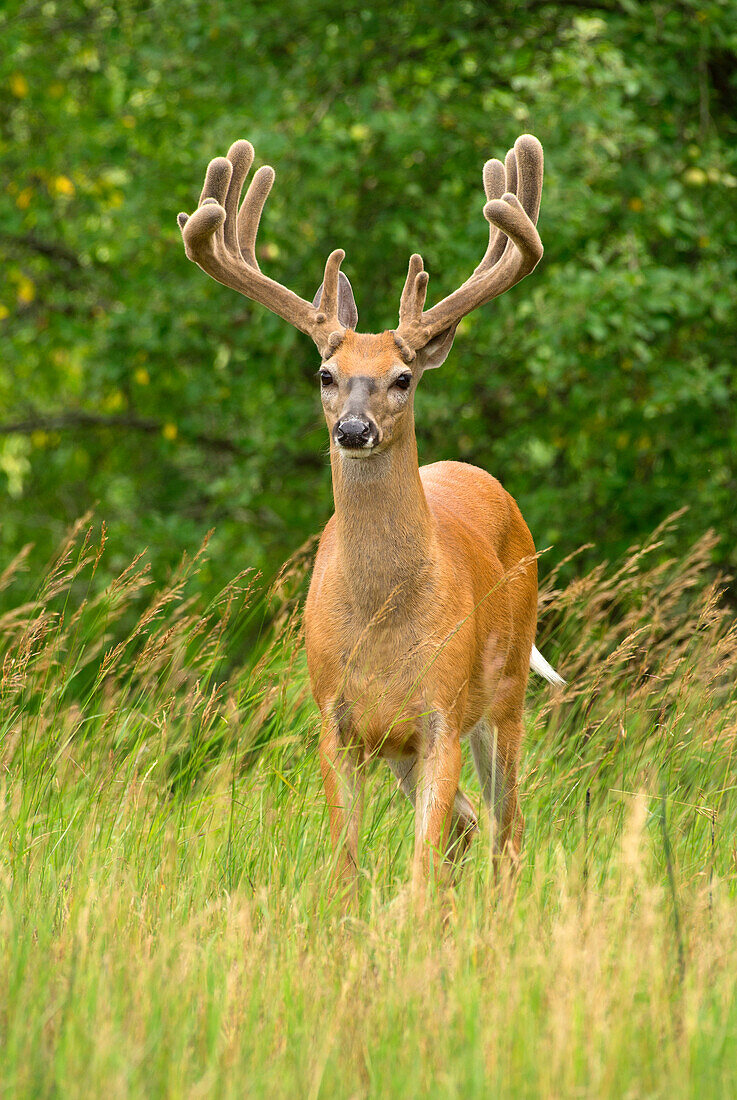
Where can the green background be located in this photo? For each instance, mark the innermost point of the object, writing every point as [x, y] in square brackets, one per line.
[600, 391]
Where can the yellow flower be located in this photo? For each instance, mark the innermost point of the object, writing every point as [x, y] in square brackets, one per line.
[62, 185]
[114, 401]
[697, 177]
[19, 85]
[170, 432]
[141, 376]
[24, 198]
[26, 290]
[4, 312]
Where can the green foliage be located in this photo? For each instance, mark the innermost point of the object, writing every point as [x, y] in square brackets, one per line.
[601, 391]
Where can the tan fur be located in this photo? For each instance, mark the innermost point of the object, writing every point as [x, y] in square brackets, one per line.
[420, 617]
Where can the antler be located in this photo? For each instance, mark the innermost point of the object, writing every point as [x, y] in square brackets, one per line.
[513, 192]
[221, 239]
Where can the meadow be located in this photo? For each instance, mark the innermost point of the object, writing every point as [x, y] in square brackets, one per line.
[167, 927]
[166, 922]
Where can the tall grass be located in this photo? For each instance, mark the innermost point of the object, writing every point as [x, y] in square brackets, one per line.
[165, 923]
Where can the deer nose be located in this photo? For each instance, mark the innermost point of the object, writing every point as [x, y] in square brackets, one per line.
[352, 432]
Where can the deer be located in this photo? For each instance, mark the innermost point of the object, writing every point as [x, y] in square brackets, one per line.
[421, 614]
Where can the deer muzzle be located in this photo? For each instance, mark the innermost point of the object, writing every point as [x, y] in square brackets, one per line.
[355, 433]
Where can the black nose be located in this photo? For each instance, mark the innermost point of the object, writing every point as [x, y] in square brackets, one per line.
[352, 432]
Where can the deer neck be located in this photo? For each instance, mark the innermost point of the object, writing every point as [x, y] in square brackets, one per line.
[384, 527]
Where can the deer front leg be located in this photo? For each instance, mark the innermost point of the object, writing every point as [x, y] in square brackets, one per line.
[341, 763]
[464, 822]
[439, 769]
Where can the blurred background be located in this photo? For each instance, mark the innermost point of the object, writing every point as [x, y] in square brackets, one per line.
[601, 390]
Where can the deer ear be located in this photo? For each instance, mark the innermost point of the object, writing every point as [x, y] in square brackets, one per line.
[437, 350]
[347, 311]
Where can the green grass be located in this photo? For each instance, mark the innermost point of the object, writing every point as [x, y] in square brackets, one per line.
[166, 926]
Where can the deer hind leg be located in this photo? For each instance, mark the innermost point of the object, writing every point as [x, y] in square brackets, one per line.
[495, 750]
[342, 766]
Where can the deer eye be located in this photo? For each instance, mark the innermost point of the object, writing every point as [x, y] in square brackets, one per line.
[404, 381]
[326, 378]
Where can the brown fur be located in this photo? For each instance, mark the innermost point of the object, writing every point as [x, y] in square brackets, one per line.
[420, 617]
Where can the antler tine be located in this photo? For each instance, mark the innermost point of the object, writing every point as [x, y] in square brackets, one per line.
[412, 301]
[514, 244]
[529, 155]
[221, 239]
[240, 155]
[328, 304]
[411, 305]
[249, 215]
[496, 182]
[510, 170]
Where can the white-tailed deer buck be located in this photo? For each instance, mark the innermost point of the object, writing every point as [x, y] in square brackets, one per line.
[421, 614]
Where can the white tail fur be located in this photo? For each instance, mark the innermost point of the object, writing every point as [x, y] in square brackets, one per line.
[539, 665]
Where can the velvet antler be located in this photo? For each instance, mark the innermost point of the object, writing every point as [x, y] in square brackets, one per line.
[221, 239]
[513, 193]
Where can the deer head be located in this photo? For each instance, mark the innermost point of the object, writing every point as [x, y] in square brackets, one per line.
[367, 381]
